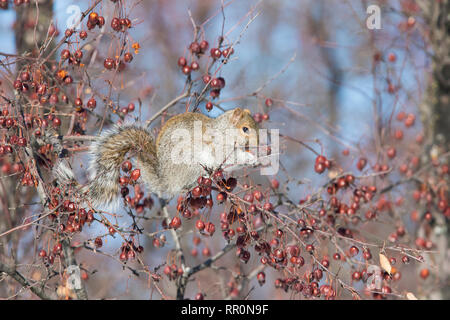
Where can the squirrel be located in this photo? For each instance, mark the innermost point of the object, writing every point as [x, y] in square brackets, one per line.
[173, 162]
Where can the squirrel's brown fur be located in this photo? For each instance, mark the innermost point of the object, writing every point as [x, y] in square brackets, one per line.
[161, 175]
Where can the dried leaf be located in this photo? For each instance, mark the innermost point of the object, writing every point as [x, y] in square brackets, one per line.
[385, 264]
[411, 296]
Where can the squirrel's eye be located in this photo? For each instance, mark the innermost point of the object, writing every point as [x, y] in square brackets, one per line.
[245, 129]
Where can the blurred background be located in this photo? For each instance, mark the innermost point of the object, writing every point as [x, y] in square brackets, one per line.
[334, 85]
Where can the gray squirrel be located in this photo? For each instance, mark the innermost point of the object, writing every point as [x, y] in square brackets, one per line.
[155, 158]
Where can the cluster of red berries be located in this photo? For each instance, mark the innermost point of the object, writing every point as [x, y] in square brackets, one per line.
[49, 258]
[17, 3]
[110, 63]
[95, 19]
[113, 64]
[321, 164]
[28, 179]
[308, 288]
[200, 196]
[205, 251]
[360, 194]
[128, 250]
[216, 84]
[38, 90]
[5, 149]
[227, 219]
[130, 177]
[259, 197]
[122, 24]
[207, 228]
[197, 50]
[76, 220]
[258, 117]
[159, 242]
[74, 59]
[7, 168]
[408, 119]
[6, 121]
[70, 216]
[173, 272]
[128, 109]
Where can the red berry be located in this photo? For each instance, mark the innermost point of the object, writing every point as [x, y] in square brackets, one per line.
[206, 78]
[126, 166]
[176, 222]
[123, 256]
[361, 163]
[101, 21]
[56, 122]
[204, 45]
[410, 119]
[221, 197]
[199, 296]
[98, 242]
[391, 152]
[186, 70]
[195, 47]
[206, 252]
[398, 134]
[195, 65]
[182, 61]
[78, 102]
[257, 195]
[261, 277]
[128, 57]
[135, 174]
[109, 63]
[356, 276]
[210, 228]
[92, 103]
[424, 273]
[68, 33]
[392, 57]
[215, 53]
[78, 54]
[319, 167]
[93, 16]
[197, 192]
[275, 183]
[65, 54]
[354, 251]
[200, 225]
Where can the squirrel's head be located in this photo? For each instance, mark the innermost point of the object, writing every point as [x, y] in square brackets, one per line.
[244, 129]
[242, 120]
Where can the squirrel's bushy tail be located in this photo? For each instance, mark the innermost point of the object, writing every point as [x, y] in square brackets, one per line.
[107, 155]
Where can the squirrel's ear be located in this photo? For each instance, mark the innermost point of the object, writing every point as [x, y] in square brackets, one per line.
[247, 111]
[236, 115]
